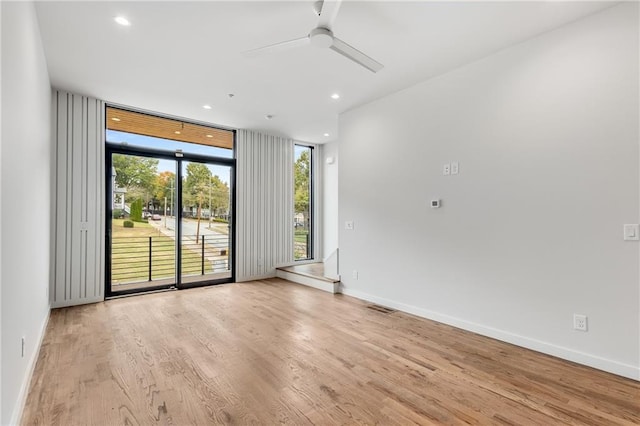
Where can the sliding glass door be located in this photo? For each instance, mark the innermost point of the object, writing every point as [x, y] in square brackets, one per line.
[170, 221]
[205, 224]
[142, 238]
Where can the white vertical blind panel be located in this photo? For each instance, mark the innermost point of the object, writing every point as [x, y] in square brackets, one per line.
[79, 200]
[265, 204]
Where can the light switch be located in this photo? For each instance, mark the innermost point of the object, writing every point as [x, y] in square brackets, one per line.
[455, 167]
[348, 225]
[631, 232]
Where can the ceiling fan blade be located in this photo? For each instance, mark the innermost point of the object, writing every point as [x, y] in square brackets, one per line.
[277, 47]
[328, 13]
[355, 55]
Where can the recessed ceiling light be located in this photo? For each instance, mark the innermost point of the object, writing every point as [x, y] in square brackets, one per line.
[115, 119]
[335, 96]
[326, 135]
[177, 132]
[209, 136]
[206, 106]
[122, 21]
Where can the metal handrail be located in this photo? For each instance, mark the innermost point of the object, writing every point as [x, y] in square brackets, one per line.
[153, 257]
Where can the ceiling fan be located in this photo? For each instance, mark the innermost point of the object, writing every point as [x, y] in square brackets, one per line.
[322, 36]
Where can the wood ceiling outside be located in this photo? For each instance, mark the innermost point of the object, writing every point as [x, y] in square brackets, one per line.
[165, 128]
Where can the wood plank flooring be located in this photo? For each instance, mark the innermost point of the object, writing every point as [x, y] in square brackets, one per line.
[271, 352]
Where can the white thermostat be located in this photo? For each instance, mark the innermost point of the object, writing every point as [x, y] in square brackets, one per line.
[435, 204]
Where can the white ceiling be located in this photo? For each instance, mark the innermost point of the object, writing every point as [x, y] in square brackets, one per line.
[177, 56]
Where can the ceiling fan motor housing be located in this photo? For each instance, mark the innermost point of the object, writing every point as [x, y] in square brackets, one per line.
[321, 37]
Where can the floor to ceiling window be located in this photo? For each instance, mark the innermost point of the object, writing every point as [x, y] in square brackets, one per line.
[303, 202]
[170, 199]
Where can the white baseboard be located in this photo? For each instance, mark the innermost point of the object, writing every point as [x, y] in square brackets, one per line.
[18, 410]
[68, 303]
[256, 277]
[615, 367]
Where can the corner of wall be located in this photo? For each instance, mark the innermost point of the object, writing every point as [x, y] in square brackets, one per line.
[24, 305]
[18, 410]
[330, 187]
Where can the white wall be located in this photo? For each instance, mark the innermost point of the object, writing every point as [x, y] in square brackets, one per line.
[26, 191]
[530, 231]
[330, 198]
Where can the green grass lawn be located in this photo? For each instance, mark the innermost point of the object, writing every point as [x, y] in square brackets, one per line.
[130, 254]
[300, 236]
[300, 244]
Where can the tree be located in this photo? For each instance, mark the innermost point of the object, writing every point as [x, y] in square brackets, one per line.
[219, 196]
[302, 183]
[136, 174]
[164, 184]
[136, 210]
[196, 189]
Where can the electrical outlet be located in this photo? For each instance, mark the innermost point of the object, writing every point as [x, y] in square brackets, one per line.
[580, 322]
[446, 169]
[631, 232]
[348, 225]
[354, 274]
[22, 347]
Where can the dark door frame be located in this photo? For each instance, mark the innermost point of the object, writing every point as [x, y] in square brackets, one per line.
[112, 148]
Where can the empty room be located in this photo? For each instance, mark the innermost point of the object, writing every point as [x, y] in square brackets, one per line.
[320, 212]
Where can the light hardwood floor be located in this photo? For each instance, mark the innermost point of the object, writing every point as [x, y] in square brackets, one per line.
[270, 352]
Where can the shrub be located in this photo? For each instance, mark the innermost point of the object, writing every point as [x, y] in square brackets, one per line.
[118, 213]
[127, 224]
[217, 219]
[136, 211]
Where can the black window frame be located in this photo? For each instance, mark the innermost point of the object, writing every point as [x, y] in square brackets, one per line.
[311, 240]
